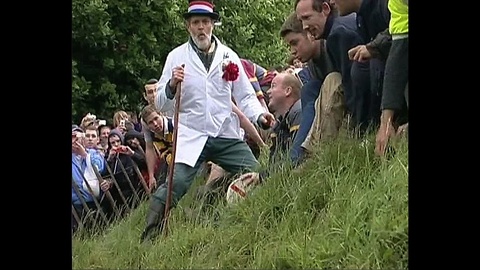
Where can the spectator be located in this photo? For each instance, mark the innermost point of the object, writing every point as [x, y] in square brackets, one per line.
[320, 18]
[136, 141]
[120, 119]
[323, 79]
[284, 96]
[133, 120]
[395, 84]
[103, 132]
[81, 157]
[255, 74]
[120, 155]
[91, 138]
[158, 134]
[372, 21]
[150, 91]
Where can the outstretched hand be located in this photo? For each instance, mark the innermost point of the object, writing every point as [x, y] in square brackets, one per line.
[384, 134]
[266, 120]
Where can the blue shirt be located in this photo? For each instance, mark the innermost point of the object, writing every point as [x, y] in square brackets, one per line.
[78, 169]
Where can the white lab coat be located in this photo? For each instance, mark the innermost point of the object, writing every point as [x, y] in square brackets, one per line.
[205, 105]
[163, 104]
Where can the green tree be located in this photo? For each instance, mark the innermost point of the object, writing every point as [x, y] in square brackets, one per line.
[251, 28]
[118, 45]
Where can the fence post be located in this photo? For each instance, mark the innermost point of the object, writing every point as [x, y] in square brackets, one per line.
[120, 193]
[77, 218]
[107, 192]
[128, 179]
[142, 180]
[95, 201]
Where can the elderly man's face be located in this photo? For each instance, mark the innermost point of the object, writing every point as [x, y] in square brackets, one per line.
[200, 29]
[312, 20]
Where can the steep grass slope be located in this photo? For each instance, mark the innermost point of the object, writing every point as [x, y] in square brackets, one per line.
[343, 209]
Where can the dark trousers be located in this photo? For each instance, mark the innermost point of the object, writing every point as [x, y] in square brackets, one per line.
[233, 155]
[367, 84]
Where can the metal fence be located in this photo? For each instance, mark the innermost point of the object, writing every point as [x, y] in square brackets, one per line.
[115, 203]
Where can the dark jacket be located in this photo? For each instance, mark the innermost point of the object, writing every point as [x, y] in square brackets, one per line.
[128, 164]
[341, 35]
[321, 65]
[372, 22]
[139, 156]
[284, 132]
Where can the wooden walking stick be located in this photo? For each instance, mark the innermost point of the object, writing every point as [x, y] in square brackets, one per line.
[174, 151]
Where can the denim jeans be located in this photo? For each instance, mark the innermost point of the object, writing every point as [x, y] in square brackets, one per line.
[309, 95]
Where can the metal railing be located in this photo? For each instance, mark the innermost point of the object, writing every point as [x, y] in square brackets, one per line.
[113, 204]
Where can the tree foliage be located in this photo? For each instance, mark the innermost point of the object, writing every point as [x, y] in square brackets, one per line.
[118, 45]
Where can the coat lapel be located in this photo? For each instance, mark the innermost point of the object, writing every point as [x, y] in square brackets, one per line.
[218, 58]
[193, 58]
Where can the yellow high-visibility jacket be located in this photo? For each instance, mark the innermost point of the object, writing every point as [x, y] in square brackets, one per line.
[399, 17]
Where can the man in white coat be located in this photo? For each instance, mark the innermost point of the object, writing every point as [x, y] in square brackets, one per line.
[208, 129]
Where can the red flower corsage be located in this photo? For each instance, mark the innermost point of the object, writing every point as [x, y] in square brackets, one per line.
[230, 72]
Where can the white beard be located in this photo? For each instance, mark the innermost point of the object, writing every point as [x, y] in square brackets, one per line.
[202, 44]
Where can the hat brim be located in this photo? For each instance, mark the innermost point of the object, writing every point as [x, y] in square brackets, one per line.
[215, 16]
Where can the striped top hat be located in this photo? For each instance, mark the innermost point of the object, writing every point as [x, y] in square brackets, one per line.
[201, 8]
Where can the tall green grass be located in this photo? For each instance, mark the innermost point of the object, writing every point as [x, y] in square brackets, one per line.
[343, 209]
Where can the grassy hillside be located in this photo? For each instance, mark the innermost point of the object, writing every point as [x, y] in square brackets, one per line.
[344, 209]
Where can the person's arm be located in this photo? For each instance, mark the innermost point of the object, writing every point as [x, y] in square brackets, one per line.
[138, 157]
[387, 116]
[304, 75]
[294, 118]
[165, 93]
[259, 93]
[263, 103]
[150, 154]
[151, 158]
[338, 44]
[248, 126]
[260, 73]
[97, 160]
[380, 46]
[245, 97]
[169, 92]
[384, 132]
